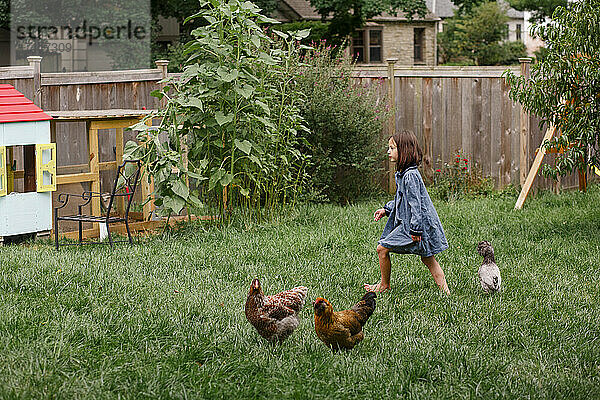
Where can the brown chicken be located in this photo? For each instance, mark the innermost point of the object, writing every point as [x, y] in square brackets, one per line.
[274, 317]
[343, 329]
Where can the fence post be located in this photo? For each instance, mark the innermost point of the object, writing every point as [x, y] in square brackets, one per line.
[162, 66]
[35, 62]
[525, 129]
[392, 121]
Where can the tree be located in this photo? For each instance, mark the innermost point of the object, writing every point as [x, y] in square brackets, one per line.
[477, 38]
[348, 15]
[4, 14]
[466, 6]
[564, 87]
[540, 9]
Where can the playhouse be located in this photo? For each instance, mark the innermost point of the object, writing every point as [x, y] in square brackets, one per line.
[27, 166]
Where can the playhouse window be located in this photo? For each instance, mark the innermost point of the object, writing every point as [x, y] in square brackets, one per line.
[20, 168]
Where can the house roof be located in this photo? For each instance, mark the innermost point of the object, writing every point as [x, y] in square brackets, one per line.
[301, 9]
[445, 8]
[15, 107]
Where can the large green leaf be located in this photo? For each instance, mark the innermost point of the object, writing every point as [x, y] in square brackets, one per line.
[244, 146]
[174, 204]
[223, 119]
[180, 189]
[226, 75]
[255, 40]
[244, 91]
[215, 178]
[193, 102]
[226, 179]
[264, 107]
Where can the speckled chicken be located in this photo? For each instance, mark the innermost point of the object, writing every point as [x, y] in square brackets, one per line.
[274, 317]
[343, 329]
[489, 273]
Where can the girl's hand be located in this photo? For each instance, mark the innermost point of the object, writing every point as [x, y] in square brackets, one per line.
[379, 214]
[415, 238]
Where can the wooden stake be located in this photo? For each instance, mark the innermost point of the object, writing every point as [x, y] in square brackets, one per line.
[534, 168]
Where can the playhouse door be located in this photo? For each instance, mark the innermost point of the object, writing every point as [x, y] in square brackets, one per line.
[45, 166]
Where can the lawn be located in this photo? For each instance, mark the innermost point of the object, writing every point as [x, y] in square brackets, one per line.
[164, 318]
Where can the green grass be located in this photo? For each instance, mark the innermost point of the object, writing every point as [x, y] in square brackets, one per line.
[164, 318]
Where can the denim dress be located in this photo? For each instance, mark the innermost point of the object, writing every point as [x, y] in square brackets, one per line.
[412, 213]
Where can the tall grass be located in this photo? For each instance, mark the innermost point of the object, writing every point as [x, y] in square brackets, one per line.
[164, 318]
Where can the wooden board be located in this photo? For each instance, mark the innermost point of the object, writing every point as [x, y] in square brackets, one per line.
[534, 169]
[139, 226]
[98, 114]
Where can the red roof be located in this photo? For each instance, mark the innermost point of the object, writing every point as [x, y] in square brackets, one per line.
[15, 107]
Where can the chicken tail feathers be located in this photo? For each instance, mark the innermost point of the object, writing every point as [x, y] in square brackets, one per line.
[365, 307]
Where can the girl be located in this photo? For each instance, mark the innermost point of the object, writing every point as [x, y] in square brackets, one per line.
[413, 226]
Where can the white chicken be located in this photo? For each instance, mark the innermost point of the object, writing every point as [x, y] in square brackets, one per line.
[489, 273]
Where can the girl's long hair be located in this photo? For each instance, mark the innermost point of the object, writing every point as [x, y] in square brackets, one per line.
[409, 151]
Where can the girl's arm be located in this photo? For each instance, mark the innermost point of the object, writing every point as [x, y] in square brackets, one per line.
[389, 206]
[413, 196]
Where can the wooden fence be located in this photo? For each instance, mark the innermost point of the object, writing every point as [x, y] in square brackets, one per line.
[466, 110]
[451, 109]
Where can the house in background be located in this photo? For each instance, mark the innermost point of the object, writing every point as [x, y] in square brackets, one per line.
[516, 24]
[385, 36]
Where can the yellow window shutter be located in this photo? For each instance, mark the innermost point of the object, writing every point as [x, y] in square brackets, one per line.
[3, 171]
[45, 165]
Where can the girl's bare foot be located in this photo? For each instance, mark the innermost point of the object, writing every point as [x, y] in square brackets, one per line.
[378, 288]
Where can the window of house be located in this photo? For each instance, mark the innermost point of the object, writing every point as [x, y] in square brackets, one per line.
[375, 45]
[506, 32]
[367, 45]
[358, 46]
[419, 45]
[518, 31]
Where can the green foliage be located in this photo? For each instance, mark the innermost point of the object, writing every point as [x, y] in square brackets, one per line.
[540, 54]
[175, 53]
[347, 15]
[319, 31]
[466, 7]
[564, 86]
[456, 180]
[346, 122]
[477, 38]
[511, 52]
[234, 112]
[5, 14]
[540, 9]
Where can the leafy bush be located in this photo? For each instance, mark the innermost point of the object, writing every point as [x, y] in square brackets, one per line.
[456, 180]
[346, 121]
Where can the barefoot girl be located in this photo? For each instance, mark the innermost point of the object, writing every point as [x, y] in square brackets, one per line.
[413, 226]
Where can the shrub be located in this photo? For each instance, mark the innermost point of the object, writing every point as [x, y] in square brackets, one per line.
[346, 121]
[456, 180]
